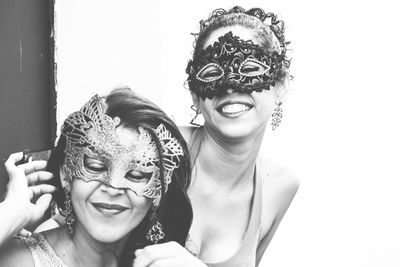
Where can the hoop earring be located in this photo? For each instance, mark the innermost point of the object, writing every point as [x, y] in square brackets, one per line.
[69, 214]
[155, 233]
[192, 122]
[277, 116]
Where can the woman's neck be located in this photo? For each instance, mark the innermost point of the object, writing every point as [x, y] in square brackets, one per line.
[229, 162]
[83, 250]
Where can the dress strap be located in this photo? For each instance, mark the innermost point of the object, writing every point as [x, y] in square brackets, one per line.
[42, 253]
[258, 195]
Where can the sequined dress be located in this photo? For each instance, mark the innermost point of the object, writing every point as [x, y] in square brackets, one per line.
[43, 255]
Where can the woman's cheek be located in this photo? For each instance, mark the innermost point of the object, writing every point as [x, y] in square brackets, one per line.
[139, 202]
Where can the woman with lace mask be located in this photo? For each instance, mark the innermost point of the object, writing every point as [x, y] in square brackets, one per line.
[121, 167]
[238, 78]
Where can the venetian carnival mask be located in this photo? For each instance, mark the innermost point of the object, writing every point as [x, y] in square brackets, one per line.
[90, 133]
[232, 63]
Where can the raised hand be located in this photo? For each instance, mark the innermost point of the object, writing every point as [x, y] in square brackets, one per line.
[25, 185]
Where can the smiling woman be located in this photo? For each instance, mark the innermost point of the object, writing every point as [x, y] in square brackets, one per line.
[246, 50]
[237, 77]
[122, 169]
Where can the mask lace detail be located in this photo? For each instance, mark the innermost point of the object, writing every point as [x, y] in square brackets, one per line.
[91, 133]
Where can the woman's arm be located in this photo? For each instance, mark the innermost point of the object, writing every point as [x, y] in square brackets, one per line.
[285, 186]
[17, 211]
[11, 221]
[15, 253]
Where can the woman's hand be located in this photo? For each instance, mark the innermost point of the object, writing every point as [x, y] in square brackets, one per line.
[22, 188]
[169, 254]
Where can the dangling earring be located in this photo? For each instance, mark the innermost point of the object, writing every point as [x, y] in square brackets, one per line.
[69, 214]
[277, 116]
[155, 234]
[192, 122]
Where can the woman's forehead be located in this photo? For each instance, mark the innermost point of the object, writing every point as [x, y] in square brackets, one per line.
[127, 136]
[237, 30]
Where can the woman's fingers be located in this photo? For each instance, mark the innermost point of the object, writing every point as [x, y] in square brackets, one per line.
[164, 250]
[148, 255]
[42, 204]
[33, 166]
[41, 189]
[20, 194]
[12, 160]
[17, 182]
[170, 262]
[166, 254]
[39, 176]
[33, 169]
[24, 233]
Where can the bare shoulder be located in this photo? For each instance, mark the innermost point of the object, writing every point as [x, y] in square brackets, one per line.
[279, 178]
[187, 131]
[279, 187]
[15, 253]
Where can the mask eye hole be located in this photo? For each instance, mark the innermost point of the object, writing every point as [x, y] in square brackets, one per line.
[94, 165]
[252, 67]
[139, 177]
[210, 72]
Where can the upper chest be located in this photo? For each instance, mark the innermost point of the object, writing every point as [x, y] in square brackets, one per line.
[218, 227]
[221, 220]
[221, 223]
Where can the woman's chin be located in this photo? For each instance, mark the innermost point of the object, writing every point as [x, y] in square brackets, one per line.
[108, 235]
[237, 131]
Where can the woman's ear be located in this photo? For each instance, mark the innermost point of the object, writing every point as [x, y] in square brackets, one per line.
[64, 183]
[196, 100]
[282, 89]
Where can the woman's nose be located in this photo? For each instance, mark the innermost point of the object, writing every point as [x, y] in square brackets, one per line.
[111, 190]
[232, 76]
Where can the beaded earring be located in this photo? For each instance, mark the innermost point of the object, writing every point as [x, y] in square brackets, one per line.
[155, 233]
[277, 116]
[69, 214]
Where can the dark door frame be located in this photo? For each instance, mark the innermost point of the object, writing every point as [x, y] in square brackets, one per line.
[27, 78]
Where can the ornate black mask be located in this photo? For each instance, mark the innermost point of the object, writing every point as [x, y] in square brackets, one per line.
[232, 63]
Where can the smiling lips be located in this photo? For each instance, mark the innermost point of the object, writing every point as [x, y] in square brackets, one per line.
[108, 209]
[233, 109]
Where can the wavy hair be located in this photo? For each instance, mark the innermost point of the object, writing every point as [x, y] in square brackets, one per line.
[135, 111]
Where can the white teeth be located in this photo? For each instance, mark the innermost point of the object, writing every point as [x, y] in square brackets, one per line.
[235, 108]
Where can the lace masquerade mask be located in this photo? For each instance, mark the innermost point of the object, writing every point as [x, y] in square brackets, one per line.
[90, 133]
[233, 63]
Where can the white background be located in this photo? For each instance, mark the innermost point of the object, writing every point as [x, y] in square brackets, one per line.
[340, 131]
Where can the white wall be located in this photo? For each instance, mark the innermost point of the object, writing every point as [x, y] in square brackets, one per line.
[340, 131]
